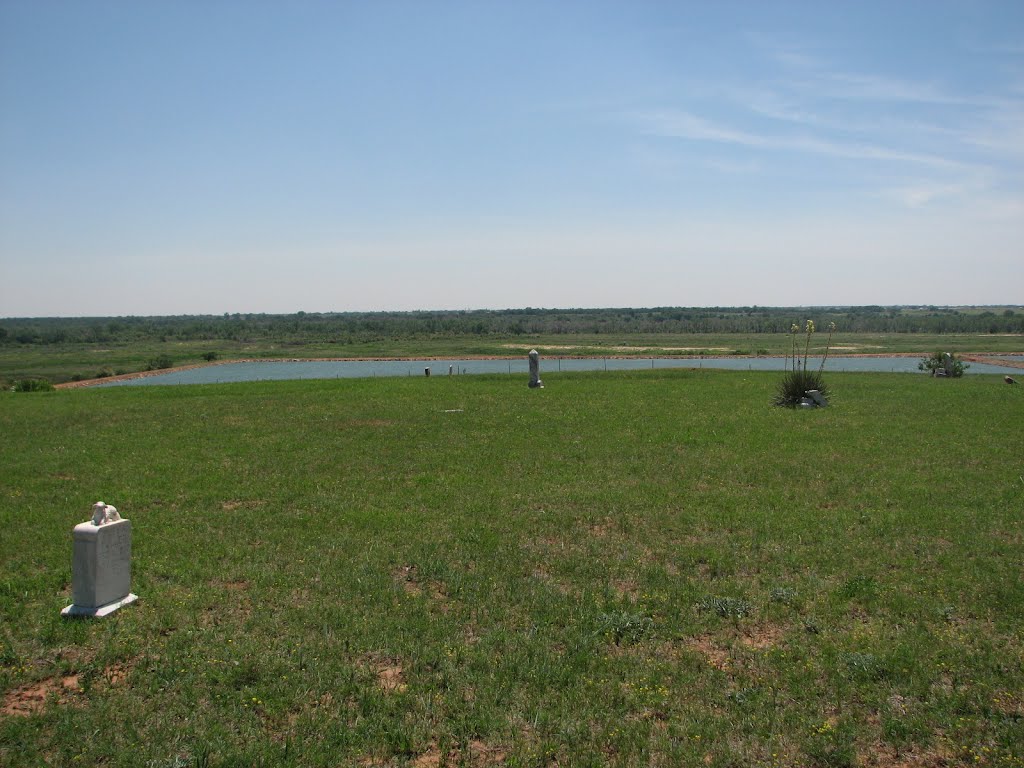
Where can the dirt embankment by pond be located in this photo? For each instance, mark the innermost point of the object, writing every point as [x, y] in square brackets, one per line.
[988, 360]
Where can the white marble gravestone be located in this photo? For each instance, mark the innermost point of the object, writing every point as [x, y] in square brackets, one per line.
[101, 564]
[535, 382]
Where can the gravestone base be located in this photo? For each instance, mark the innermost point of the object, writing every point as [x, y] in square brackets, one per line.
[75, 611]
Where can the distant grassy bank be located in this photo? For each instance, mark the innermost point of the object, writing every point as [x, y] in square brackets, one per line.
[63, 362]
[651, 568]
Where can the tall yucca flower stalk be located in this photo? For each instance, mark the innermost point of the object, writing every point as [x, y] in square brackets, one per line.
[809, 329]
[828, 346]
[794, 329]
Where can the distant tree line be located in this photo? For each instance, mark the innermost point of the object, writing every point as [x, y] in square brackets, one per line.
[348, 327]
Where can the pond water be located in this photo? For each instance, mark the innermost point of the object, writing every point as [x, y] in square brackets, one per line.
[280, 370]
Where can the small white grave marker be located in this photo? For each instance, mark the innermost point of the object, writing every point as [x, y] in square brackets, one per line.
[101, 564]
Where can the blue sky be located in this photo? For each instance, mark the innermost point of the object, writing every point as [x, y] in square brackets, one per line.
[208, 157]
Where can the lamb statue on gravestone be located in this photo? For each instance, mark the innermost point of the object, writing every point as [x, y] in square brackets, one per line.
[104, 513]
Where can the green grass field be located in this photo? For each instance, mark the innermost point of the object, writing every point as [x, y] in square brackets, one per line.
[631, 569]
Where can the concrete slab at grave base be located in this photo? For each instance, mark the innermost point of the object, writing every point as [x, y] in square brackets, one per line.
[75, 611]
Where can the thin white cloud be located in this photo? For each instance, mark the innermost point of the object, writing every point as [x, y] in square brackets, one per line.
[771, 104]
[808, 74]
[685, 125]
[1002, 131]
[859, 87]
[967, 145]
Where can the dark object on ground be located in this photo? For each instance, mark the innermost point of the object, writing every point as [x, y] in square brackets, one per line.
[1009, 380]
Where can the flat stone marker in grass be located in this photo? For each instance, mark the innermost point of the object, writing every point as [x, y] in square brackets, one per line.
[816, 398]
[535, 381]
[101, 564]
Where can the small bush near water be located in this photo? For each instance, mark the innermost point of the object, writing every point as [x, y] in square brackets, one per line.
[943, 364]
[159, 363]
[33, 385]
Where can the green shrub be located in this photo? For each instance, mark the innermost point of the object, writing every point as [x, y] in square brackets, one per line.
[210, 356]
[33, 385]
[623, 627]
[785, 595]
[734, 608]
[865, 666]
[943, 364]
[159, 363]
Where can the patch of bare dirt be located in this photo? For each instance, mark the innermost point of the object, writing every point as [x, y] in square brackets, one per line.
[390, 676]
[881, 755]
[541, 574]
[117, 674]
[626, 589]
[408, 577]
[714, 655]
[31, 699]
[1009, 704]
[230, 505]
[762, 637]
[545, 545]
[471, 633]
[405, 575]
[438, 591]
[75, 655]
[478, 754]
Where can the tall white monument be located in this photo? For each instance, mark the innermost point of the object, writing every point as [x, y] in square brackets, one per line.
[101, 564]
[535, 382]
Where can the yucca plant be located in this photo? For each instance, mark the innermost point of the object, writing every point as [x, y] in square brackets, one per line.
[798, 380]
